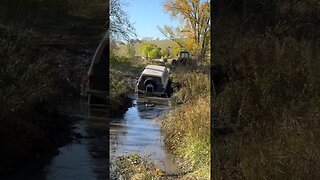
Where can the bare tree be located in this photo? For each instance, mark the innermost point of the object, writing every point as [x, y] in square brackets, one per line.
[120, 26]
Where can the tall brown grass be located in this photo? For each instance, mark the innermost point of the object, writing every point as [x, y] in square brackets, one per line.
[31, 84]
[186, 128]
[271, 102]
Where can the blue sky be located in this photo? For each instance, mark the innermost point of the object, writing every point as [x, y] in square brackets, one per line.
[146, 15]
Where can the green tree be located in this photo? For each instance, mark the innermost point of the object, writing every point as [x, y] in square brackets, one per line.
[147, 48]
[165, 52]
[131, 51]
[175, 50]
[155, 53]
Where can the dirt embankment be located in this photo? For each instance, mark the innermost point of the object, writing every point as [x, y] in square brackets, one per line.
[123, 78]
[120, 105]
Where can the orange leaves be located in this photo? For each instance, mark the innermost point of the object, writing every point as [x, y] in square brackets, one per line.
[195, 18]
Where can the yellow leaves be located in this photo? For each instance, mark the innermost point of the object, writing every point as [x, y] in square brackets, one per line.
[176, 49]
[159, 172]
[195, 18]
[179, 7]
[192, 45]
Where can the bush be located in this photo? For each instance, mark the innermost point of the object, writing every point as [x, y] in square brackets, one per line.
[150, 51]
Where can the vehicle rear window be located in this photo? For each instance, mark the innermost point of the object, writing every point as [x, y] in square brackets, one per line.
[156, 79]
[184, 55]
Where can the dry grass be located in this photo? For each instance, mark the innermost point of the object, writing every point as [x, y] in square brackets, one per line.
[136, 168]
[272, 104]
[33, 78]
[31, 84]
[121, 72]
[186, 128]
[193, 83]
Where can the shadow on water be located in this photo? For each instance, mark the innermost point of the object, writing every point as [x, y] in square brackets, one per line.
[86, 157]
[138, 132]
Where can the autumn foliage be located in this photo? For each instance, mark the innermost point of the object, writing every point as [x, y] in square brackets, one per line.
[195, 19]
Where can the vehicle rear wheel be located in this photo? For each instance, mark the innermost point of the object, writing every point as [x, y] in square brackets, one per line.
[169, 89]
[165, 95]
[174, 62]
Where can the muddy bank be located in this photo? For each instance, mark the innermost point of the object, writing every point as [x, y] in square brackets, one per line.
[135, 167]
[120, 103]
[121, 108]
[31, 86]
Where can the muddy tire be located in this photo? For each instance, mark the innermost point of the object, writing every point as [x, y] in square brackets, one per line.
[174, 62]
[169, 90]
[166, 95]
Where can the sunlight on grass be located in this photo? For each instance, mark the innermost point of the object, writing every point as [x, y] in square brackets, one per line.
[187, 127]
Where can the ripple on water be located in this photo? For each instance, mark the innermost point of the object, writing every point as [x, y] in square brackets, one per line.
[138, 132]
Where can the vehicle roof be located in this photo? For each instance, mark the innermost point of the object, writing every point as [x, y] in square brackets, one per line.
[154, 70]
[156, 67]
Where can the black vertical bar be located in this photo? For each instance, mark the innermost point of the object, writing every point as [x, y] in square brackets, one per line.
[211, 88]
[108, 89]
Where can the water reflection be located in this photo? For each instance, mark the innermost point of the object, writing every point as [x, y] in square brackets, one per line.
[86, 157]
[138, 132]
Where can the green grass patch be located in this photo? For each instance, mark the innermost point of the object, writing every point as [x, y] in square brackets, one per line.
[126, 66]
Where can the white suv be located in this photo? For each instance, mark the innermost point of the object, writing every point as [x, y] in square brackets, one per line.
[154, 81]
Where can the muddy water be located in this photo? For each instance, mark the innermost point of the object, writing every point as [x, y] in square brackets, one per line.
[86, 157]
[138, 132]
